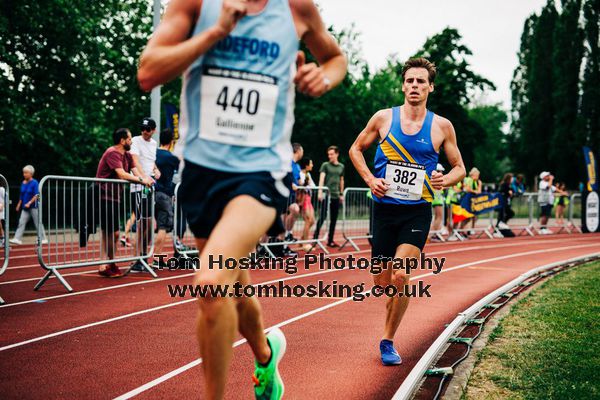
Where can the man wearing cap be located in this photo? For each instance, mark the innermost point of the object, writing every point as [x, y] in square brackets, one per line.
[546, 199]
[143, 151]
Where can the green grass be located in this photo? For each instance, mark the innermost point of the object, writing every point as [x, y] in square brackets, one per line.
[548, 347]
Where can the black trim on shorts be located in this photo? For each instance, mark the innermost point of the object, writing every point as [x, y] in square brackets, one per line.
[396, 224]
[205, 192]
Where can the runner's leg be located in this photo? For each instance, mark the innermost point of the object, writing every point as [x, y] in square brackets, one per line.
[234, 236]
[396, 306]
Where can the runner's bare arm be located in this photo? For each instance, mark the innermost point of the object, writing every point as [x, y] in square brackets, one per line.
[169, 51]
[311, 79]
[365, 139]
[458, 171]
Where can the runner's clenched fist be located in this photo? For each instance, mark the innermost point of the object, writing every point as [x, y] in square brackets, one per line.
[231, 12]
[437, 180]
[310, 78]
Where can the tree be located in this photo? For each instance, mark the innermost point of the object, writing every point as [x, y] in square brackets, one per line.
[567, 57]
[590, 98]
[68, 75]
[490, 154]
[519, 91]
[453, 86]
[535, 108]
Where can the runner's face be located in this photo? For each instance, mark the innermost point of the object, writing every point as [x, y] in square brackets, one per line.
[416, 86]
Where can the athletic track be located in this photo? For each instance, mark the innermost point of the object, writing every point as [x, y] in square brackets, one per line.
[127, 337]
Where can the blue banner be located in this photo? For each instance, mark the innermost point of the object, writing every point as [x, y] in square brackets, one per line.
[590, 167]
[481, 203]
[172, 113]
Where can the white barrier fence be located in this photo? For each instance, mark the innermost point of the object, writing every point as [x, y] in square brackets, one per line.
[80, 220]
[306, 221]
[357, 216]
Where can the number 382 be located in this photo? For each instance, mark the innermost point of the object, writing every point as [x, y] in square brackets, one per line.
[405, 177]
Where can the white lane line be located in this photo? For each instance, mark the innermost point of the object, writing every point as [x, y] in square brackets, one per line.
[133, 314]
[60, 296]
[198, 361]
[141, 312]
[457, 250]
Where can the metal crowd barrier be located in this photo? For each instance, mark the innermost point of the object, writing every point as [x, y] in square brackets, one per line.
[357, 216]
[521, 221]
[4, 248]
[568, 226]
[461, 234]
[75, 214]
[298, 215]
[183, 240]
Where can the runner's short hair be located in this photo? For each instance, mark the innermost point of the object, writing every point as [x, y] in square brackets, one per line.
[296, 147]
[420, 62]
[334, 148]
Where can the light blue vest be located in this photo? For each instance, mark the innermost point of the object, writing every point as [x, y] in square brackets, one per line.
[237, 101]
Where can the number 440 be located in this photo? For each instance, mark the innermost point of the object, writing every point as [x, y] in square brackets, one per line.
[241, 100]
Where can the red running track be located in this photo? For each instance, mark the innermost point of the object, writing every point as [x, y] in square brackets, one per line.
[128, 336]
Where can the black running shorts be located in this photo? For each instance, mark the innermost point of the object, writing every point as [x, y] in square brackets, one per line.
[396, 224]
[205, 192]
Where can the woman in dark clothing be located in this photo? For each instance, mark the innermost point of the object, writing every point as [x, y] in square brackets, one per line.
[506, 212]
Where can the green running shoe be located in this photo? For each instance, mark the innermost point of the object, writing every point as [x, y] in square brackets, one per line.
[267, 381]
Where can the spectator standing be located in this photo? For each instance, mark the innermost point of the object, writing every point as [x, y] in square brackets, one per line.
[518, 185]
[438, 205]
[143, 151]
[28, 205]
[331, 174]
[561, 202]
[546, 192]
[506, 211]
[308, 211]
[116, 162]
[293, 209]
[472, 184]
[167, 164]
[453, 196]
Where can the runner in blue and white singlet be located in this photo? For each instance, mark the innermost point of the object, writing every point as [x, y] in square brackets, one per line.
[406, 162]
[241, 67]
[402, 183]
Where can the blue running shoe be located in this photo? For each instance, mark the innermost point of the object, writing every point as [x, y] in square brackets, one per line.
[389, 355]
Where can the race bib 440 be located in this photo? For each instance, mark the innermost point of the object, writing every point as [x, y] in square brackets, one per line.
[405, 180]
[237, 107]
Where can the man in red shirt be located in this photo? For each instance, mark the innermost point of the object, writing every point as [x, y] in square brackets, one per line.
[116, 162]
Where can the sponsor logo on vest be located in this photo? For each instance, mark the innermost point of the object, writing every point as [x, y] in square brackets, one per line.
[245, 47]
